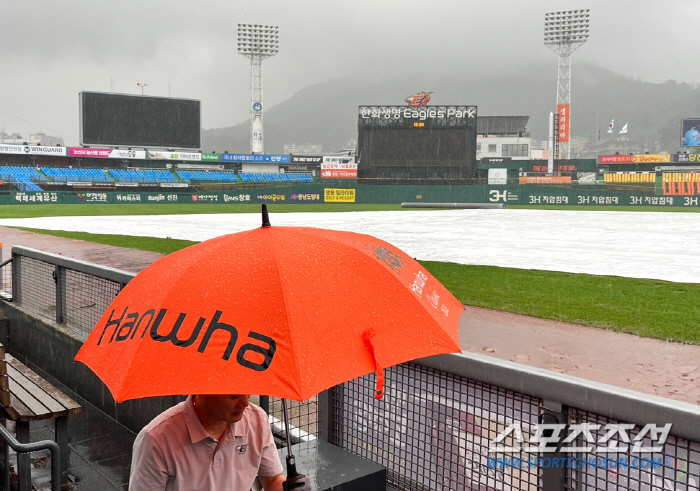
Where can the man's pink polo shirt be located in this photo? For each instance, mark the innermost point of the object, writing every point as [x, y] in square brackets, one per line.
[175, 453]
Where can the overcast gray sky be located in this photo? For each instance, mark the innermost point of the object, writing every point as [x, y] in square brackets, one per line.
[52, 50]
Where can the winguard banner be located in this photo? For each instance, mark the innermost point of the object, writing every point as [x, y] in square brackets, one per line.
[32, 150]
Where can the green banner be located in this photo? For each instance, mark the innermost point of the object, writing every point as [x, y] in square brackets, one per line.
[365, 194]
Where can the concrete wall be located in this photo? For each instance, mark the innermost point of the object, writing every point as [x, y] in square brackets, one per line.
[52, 347]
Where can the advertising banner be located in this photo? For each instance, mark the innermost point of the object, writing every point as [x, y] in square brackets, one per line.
[247, 157]
[331, 195]
[236, 198]
[271, 197]
[615, 159]
[685, 157]
[563, 115]
[35, 198]
[157, 155]
[211, 157]
[498, 176]
[651, 158]
[635, 159]
[545, 180]
[127, 197]
[32, 150]
[206, 198]
[346, 159]
[342, 167]
[306, 159]
[90, 197]
[339, 173]
[557, 168]
[305, 198]
[106, 153]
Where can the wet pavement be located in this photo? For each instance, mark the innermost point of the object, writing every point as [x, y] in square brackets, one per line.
[101, 448]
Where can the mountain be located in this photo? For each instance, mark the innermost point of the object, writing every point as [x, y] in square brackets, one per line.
[326, 113]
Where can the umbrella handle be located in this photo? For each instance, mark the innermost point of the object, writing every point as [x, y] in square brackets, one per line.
[367, 339]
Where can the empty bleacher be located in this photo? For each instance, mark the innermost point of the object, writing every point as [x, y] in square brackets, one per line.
[274, 177]
[143, 176]
[66, 174]
[22, 177]
[27, 178]
[201, 175]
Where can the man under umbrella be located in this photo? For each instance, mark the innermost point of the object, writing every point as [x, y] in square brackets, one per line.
[283, 311]
[209, 442]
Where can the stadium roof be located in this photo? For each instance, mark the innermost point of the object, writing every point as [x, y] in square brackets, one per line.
[501, 125]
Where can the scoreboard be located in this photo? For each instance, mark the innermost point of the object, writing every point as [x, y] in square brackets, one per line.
[123, 120]
[426, 142]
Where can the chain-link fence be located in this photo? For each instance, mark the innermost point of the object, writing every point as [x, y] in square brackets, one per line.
[627, 456]
[6, 279]
[69, 292]
[432, 430]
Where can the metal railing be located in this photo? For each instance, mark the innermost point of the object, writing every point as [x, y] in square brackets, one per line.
[436, 425]
[24, 470]
[5, 279]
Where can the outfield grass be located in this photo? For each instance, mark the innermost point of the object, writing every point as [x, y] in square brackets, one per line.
[649, 308]
[89, 209]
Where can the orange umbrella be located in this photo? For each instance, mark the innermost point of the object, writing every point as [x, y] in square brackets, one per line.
[279, 311]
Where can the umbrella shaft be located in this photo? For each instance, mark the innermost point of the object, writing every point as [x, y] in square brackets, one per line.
[286, 427]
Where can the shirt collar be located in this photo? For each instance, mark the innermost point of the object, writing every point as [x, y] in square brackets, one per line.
[194, 426]
[197, 431]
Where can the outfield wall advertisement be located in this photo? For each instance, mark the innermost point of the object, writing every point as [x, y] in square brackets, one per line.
[367, 194]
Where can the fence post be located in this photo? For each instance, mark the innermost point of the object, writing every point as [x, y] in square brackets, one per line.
[326, 415]
[265, 404]
[553, 476]
[59, 276]
[16, 269]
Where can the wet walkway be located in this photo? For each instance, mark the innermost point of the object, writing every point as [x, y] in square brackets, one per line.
[101, 448]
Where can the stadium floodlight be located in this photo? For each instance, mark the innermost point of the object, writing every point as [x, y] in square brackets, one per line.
[564, 32]
[257, 42]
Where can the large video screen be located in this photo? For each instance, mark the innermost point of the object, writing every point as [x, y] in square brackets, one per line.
[120, 120]
[690, 132]
[418, 146]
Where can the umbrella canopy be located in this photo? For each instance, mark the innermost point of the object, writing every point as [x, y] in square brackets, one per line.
[279, 311]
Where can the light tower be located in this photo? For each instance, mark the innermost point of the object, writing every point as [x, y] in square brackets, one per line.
[257, 42]
[564, 32]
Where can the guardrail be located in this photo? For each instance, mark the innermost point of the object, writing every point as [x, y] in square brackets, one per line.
[5, 277]
[443, 419]
[24, 470]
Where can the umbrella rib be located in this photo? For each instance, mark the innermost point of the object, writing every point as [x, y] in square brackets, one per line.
[414, 298]
[269, 231]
